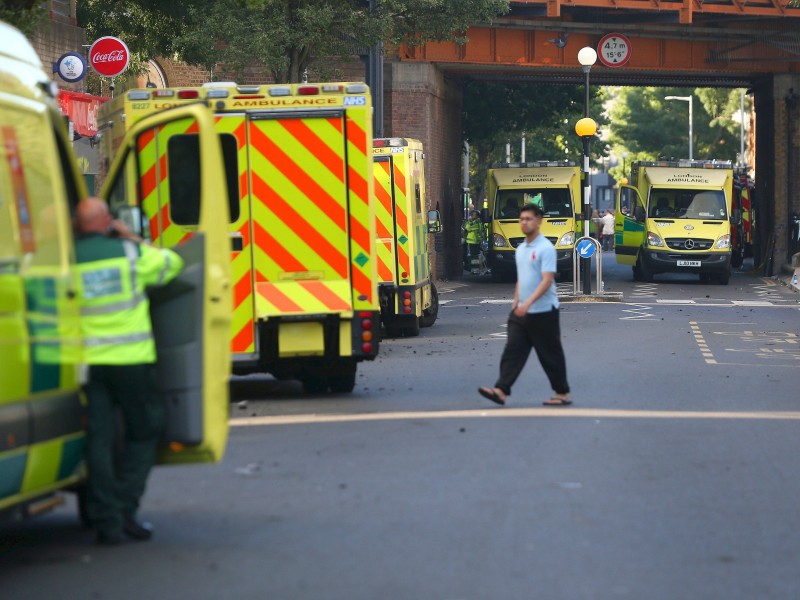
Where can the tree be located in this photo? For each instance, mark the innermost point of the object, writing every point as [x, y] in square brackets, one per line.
[25, 15]
[648, 127]
[496, 113]
[284, 36]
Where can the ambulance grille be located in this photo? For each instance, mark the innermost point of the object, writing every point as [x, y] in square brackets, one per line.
[689, 243]
[515, 241]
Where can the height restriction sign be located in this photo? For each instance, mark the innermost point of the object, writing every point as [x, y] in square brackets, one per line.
[614, 50]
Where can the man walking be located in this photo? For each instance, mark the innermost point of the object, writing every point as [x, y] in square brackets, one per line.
[119, 349]
[534, 319]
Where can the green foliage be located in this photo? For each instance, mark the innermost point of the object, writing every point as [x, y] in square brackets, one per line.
[285, 36]
[495, 114]
[648, 127]
[25, 15]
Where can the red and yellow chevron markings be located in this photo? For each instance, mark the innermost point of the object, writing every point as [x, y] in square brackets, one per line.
[243, 318]
[383, 221]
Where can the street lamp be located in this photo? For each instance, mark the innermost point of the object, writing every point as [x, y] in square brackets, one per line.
[586, 128]
[690, 100]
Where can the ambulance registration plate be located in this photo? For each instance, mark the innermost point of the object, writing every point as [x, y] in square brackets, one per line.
[688, 263]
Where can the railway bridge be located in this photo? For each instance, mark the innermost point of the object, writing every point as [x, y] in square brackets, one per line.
[691, 43]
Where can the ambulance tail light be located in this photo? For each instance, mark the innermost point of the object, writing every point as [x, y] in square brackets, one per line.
[163, 93]
[406, 302]
[654, 239]
[331, 88]
[188, 94]
[366, 320]
[308, 90]
[724, 242]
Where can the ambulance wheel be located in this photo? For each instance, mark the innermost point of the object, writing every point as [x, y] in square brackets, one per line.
[344, 379]
[314, 384]
[645, 274]
[724, 278]
[429, 315]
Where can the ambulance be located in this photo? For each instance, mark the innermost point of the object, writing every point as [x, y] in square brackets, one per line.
[676, 216]
[408, 296]
[300, 217]
[555, 187]
[42, 410]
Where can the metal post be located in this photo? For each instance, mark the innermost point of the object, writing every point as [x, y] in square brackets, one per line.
[691, 122]
[586, 264]
[375, 81]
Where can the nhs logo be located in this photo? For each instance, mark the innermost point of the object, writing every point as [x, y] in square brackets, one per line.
[355, 101]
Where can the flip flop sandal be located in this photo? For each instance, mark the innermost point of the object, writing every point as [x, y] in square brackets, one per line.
[556, 401]
[490, 394]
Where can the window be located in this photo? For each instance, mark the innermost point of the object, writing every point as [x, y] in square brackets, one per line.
[184, 177]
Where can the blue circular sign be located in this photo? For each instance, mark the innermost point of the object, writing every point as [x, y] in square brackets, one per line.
[585, 248]
[71, 67]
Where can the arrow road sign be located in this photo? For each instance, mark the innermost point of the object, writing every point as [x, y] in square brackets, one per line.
[585, 248]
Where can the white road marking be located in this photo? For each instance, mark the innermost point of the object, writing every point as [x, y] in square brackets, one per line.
[539, 412]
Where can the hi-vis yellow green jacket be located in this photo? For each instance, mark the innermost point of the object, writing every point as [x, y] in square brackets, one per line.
[115, 310]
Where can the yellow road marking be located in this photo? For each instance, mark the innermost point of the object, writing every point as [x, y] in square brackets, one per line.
[543, 412]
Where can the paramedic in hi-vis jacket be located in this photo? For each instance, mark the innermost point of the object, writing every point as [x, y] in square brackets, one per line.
[114, 269]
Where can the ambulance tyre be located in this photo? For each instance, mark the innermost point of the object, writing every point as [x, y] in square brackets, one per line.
[737, 258]
[411, 327]
[429, 315]
[645, 274]
[343, 380]
[724, 278]
[314, 384]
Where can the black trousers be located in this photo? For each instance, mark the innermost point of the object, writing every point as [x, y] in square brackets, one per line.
[542, 333]
[117, 476]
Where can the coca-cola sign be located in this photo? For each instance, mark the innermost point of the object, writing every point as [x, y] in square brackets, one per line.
[109, 56]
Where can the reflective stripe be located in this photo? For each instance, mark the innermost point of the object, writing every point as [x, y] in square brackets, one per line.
[165, 270]
[132, 252]
[117, 339]
[110, 308]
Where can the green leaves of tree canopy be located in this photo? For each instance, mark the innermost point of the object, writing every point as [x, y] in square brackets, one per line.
[285, 36]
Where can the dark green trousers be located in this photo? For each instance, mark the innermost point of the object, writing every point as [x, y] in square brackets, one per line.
[120, 458]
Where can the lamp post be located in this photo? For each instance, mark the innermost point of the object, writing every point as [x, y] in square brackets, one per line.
[690, 100]
[624, 158]
[586, 128]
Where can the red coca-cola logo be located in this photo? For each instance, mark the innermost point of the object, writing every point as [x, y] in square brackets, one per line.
[109, 56]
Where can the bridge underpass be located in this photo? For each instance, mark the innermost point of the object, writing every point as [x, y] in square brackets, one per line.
[733, 44]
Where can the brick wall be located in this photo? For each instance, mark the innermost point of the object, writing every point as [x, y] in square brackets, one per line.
[419, 103]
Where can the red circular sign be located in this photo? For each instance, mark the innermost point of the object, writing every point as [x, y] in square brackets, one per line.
[109, 56]
[614, 50]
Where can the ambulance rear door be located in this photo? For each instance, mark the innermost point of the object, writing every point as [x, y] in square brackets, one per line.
[307, 241]
[385, 219]
[167, 182]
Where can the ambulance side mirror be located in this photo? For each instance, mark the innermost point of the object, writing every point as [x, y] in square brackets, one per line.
[434, 221]
[736, 217]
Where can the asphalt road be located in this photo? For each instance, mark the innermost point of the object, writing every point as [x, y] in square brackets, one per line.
[674, 475]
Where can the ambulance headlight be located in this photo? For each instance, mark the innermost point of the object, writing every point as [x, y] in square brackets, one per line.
[654, 240]
[498, 241]
[724, 242]
[567, 239]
